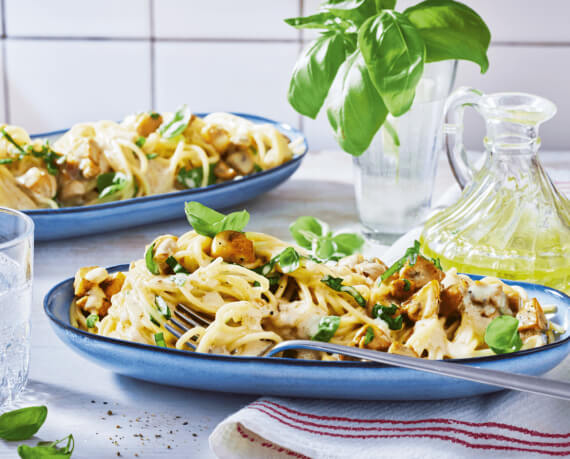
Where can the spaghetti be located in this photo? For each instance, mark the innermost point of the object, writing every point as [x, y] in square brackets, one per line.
[145, 154]
[259, 290]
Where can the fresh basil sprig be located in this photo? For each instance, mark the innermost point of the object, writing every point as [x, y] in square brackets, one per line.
[48, 449]
[369, 59]
[336, 284]
[23, 423]
[313, 234]
[177, 124]
[327, 328]
[385, 313]
[208, 222]
[502, 335]
[110, 183]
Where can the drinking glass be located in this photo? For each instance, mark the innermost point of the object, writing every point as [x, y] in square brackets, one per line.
[394, 178]
[16, 264]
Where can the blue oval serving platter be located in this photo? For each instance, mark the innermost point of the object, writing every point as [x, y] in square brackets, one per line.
[298, 378]
[67, 222]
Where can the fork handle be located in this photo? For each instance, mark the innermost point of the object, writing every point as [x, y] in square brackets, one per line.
[524, 383]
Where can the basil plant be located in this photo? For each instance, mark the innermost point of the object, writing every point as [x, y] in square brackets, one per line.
[369, 58]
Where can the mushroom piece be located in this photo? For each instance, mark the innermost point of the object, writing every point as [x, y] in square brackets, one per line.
[94, 287]
[218, 137]
[149, 123]
[378, 342]
[241, 161]
[39, 181]
[223, 171]
[233, 247]
[72, 189]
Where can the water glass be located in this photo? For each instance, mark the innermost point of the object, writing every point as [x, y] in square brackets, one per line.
[16, 265]
[395, 176]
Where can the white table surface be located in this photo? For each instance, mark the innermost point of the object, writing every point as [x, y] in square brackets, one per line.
[149, 420]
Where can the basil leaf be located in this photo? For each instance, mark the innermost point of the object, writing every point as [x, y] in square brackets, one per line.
[159, 339]
[385, 313]
[162, 307]
[151, 263]
[410, 255]
[394, 53]
[306, 229]
[502, 335]
[140, 141]
[451, 30]
[369, 335]
[357, 11]
[289, 260]
[154, 320]
[208, 222]
[110, 183]
[91, 319]
[327, 328]
[385, 4]
[177, 124]
[354, 108]
[324, 248]
[322, 20]
[176, 267]
[48, 449]
[314, 73]
[151, 155]
[336, 284]
[6, 160]
[23, 423]
[192, 178]
[348, 243]
[407, 285]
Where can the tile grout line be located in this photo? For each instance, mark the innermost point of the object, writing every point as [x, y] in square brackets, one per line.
[156, 39]
[152, 57]
[7, 115]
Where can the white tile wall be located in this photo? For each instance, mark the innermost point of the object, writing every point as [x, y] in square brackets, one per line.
[54, 84]
[3, 108]
[73, 18]
[250, 19]
[105, 58]
[226, 76]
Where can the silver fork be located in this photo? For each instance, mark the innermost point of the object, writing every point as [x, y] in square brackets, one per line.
[524, 383]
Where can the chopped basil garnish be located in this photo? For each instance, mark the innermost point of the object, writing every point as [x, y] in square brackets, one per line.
[336, 284]
[176, 267]
[208, 222]
[154, 320]
[385, 313]
[288, 260]
[437, 263]
[257, 168]
[111, 183]
[502, 335]
[140, 141]
[407, 285]
[327, 328]
[151, 155]
[192, 178]
[48, 449]
[177, 124]
[50, 157]
[369, 335]
[151, 263]
[154, 115]
[91, 319]
[410, 255]
[179, 279]
[9, 138]
[162, 307]
[23, 423]
[159, 339]
[256, 284]
[6, 160]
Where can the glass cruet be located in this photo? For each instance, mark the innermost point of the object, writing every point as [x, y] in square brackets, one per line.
[510, 221]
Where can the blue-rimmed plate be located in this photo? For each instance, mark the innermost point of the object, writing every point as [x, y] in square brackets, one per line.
[79, 221]
[300, 378]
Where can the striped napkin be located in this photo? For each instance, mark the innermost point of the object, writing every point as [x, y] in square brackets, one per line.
[501, 425]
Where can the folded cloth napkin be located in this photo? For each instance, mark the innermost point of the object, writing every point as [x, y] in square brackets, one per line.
[505, 424]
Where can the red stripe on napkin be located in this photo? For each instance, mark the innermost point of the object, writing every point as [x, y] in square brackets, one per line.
[436, 432]
[268, 444]
[422, 421]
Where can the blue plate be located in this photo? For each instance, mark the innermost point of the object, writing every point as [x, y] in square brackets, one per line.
[79, 221]
[291, 377]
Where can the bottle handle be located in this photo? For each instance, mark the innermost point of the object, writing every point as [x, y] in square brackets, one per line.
[453, 130]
